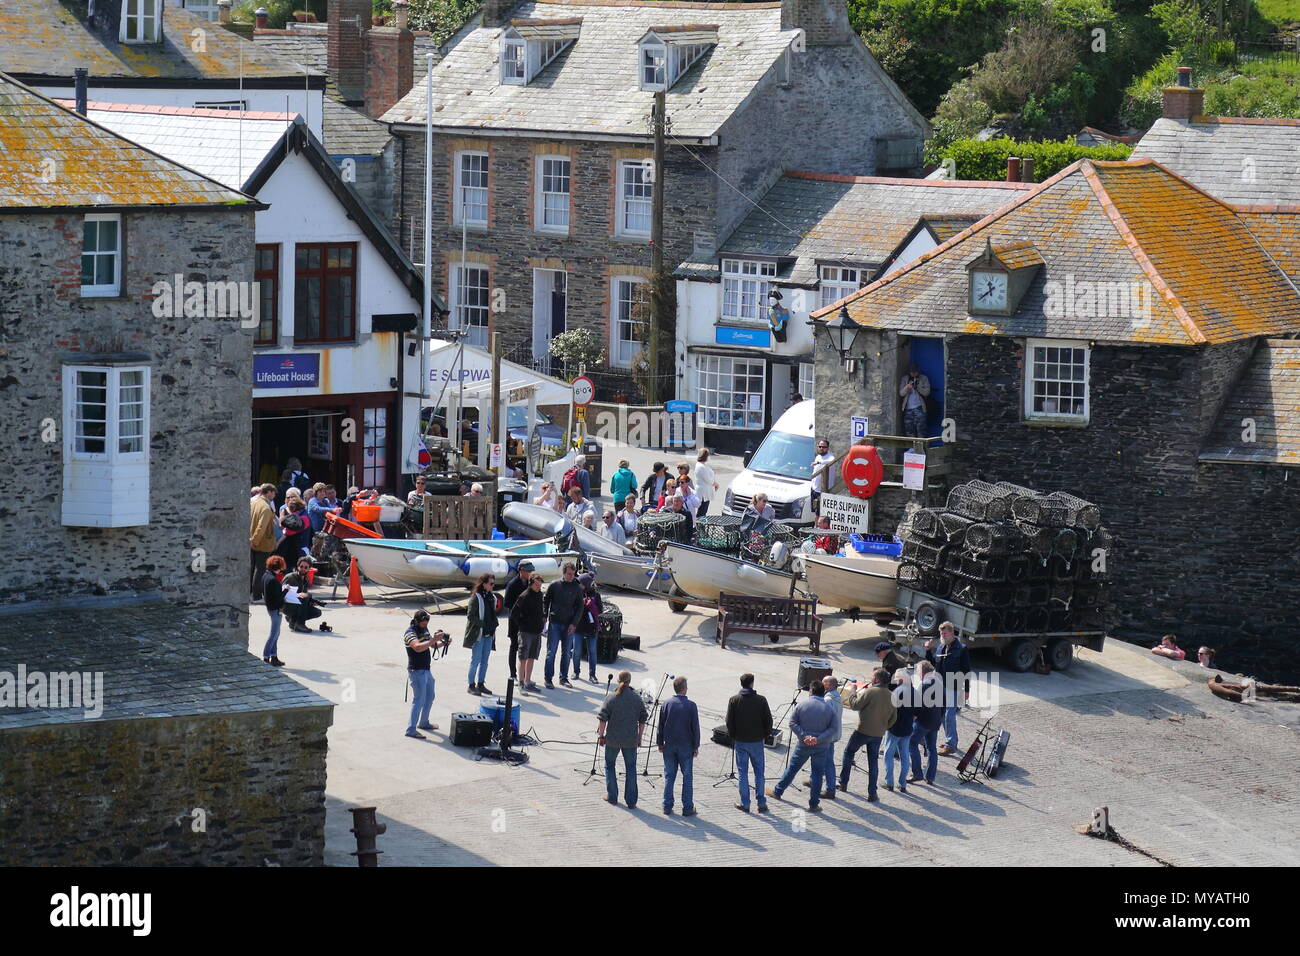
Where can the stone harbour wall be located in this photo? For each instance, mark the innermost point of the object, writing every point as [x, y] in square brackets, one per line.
[199, 404]
[237, 790]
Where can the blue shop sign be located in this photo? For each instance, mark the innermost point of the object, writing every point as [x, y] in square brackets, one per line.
[287, 370]
[754, 338]
[679, 406]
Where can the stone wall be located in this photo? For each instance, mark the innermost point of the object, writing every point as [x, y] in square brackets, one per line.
[200, 402]
[1206, 551]
[825, 120]
[376, 182]
[114, 793]
[512, 248]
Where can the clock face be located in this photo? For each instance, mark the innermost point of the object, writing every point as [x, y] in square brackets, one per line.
[988, 291]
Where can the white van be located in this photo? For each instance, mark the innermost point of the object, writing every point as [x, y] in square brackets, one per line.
[781, 468]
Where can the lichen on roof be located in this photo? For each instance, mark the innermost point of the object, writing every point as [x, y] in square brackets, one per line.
[51, 157]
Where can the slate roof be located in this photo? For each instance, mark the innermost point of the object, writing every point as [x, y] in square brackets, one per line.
[854, 219]
[1268, 393]
[347, 130]
[592, 87]
[1239, 160]
[52, 158]
[222, 144]
[51, 38]
[1278, 231]
[157, 660]
[1134, 224]
[944, 228]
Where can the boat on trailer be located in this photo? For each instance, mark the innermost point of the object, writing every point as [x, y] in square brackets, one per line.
[417, 563]
[857, 582]
[631, 572]
[534, 521]
[702, 574]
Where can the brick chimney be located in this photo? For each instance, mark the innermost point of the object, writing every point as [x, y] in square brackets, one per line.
[1027, 169]
[1184, 101]
[496, 13]
[349, 22]
[262, 14]
[1013, 169]
[824, 22]
[390, 62]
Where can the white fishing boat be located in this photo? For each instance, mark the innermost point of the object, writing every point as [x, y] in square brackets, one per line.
[414, 563]
[861, 582]
[630, 572]
[703, 574]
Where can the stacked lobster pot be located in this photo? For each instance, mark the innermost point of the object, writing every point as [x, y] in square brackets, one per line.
[1027, 561]
[656, 526]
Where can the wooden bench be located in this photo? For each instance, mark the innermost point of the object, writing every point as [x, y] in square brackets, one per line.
[773, 616]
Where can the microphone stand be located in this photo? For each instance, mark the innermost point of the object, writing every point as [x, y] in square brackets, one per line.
[789, 744]
[596, 752]
[654, 719]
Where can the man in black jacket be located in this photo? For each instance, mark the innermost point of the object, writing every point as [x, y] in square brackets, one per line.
[518, 584]
[565, 605]
[749, 722]
[653, 486]
[889, 659]
[951, 661]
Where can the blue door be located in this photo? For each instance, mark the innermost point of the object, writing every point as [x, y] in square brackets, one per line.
[928, 355]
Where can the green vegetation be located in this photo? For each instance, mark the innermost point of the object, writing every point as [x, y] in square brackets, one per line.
[987, 159]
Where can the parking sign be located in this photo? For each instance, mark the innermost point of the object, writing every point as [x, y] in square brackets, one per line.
[860, 429]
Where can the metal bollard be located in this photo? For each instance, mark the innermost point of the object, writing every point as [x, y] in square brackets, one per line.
[366, 829]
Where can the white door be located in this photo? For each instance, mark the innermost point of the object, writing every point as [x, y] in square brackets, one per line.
[550, 289]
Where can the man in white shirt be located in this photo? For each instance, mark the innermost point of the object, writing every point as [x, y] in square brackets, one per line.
[706, 482]
[611, 529]
[820, 467]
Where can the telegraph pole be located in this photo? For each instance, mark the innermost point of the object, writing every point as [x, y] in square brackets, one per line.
[497, 432]
[659, 299]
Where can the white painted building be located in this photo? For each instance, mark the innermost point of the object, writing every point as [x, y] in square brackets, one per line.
[336, 377]
[814, 239]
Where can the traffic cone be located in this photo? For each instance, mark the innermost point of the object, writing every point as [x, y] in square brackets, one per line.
[354, 584]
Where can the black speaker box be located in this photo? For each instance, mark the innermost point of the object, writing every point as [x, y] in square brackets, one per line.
[471, 730]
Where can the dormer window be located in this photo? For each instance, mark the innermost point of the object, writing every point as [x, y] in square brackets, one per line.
[513, 61]
[141, 21]
[528, 46]
[666, 53]
[652, 66]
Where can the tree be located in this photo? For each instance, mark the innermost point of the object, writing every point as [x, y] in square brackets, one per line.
[578, 348]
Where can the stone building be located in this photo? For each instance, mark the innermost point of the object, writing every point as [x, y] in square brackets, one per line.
[134, 726]
[1120, 335]
[543, 182]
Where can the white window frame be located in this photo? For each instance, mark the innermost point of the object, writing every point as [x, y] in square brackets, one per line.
[644, 179]
[207, 9]
[835, 282]
[514, 53]
[113, 414]
[624, 351]
[746, 283]
[807, 379]
[683, 56]
[719, 406]
[541, 213]
[115, 287]
[645, 64]
[146, 18]
[461, 314]
[1038, 369]
[463, 192]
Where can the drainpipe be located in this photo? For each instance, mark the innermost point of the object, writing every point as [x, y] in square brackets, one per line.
[82, 91]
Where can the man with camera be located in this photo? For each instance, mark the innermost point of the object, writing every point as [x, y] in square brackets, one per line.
[914, 390]
[420, 648]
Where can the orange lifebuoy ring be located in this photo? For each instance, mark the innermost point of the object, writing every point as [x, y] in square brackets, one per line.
[862, 470]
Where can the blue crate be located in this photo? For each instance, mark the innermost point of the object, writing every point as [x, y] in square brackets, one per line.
[887, 544]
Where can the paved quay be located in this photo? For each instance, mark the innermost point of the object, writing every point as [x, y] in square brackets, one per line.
[1190, 778]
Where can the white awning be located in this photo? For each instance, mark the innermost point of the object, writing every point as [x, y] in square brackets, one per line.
[447, 367]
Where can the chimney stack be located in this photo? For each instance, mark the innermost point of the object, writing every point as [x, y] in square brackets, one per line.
[496, 13]
[223, 11]
[349, 23]
[82, 92]
[823, 22]
[390, 62]
[1013, 169]
[261, 13]
[1183, 102]
[1027, 169]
